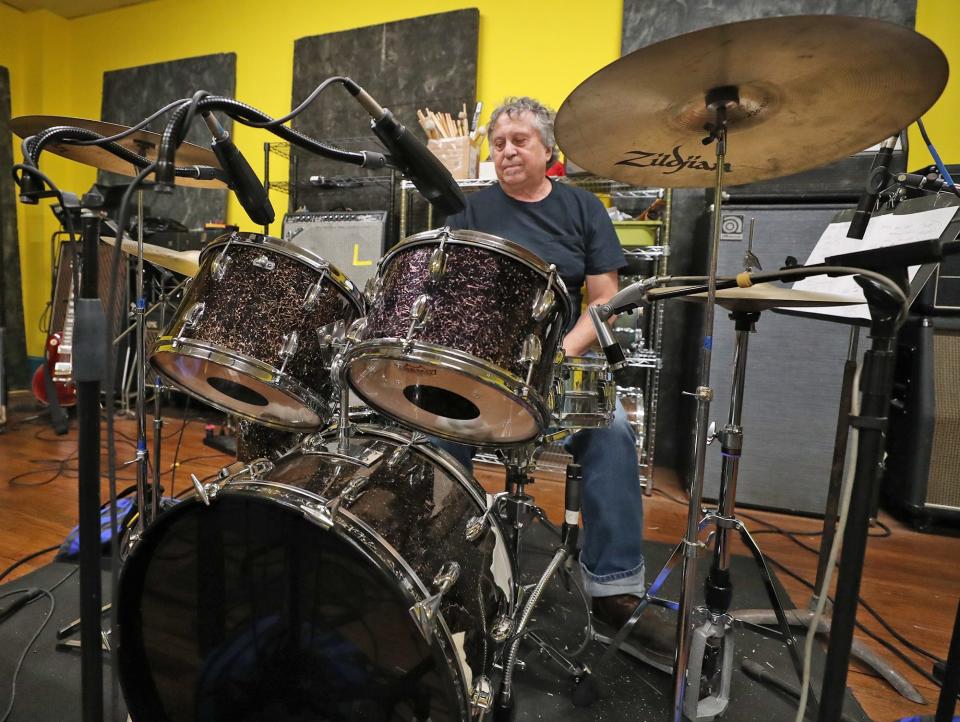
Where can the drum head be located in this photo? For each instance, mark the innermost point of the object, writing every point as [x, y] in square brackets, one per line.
[241, 388]
[246, 610]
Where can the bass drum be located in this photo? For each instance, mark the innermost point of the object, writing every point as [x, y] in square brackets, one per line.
[307, 589]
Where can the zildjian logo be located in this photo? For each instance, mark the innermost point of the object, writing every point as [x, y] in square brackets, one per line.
[674, 161]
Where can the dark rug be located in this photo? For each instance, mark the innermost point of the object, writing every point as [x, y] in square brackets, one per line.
[49, 684]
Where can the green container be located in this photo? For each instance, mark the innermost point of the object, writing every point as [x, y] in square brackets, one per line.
[637, 233]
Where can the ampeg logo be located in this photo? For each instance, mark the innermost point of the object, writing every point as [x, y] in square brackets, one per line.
[673, 161]
[731, 228]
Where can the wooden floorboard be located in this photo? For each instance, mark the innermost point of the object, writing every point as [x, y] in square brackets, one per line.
[912, 579]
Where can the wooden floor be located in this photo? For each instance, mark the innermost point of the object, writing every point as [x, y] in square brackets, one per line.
[911, 579]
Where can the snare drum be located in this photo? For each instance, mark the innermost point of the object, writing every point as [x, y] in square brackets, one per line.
[357, 583]
[461, 337]
[585, 395]
[253, 335]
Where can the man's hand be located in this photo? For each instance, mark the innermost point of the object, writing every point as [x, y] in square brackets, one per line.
[600, 289]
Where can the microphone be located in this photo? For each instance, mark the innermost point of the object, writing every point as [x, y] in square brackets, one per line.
[928, 182]
[244, 182]
[876, 179]
[571, 508]
[608, 342]
[412, 157]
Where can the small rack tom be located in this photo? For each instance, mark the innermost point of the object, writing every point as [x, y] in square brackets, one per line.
[254, 333]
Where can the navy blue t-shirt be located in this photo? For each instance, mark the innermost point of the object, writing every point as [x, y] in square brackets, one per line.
[569, 228]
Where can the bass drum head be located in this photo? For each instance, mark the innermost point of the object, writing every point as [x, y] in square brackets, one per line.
[248, 611]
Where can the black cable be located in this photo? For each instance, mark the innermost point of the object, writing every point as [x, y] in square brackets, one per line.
[23, 655]
[303, 106]
[176, 453]
[32, 555]
[863, 602]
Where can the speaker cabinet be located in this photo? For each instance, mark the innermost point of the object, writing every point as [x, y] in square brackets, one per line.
[350, 240]
[794, 370]
[922, 471]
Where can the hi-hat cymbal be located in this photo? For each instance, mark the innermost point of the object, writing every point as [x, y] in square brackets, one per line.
[142, 142]
[812, 89]
[762, 297]
[185, 262]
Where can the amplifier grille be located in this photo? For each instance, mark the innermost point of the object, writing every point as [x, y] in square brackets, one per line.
[943, 486]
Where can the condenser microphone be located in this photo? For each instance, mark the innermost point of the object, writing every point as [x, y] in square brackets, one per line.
[241, 178]
[876, 179]
[412, 157]
[608, 342]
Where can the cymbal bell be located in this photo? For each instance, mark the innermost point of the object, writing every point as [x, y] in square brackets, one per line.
[812, 89]
[142, 142]
[762, 297]
[183, 262]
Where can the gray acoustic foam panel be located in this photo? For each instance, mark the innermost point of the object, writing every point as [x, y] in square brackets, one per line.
[428, 61]
[649, 21]
[131, 94]
[11, 300]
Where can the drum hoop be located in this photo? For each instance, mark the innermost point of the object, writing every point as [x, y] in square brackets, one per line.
[297, 253]
[463, 237]
[454, 360]
[245, 364]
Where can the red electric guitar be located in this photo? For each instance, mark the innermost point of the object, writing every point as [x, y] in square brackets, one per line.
[59, 359]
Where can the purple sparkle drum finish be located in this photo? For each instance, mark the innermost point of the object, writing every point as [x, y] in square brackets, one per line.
[253, 333]
[356, 582]
[461, 337]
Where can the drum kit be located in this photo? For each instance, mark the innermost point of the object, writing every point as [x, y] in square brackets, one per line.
[362, 573]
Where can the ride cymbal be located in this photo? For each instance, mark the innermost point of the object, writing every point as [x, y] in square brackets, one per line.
[761, 297]
[142, 142]
[812, 89]
[184, 262]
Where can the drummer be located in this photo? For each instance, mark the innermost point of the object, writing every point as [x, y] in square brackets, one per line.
[569, 227]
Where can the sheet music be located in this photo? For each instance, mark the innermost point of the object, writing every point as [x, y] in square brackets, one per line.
[882, 231]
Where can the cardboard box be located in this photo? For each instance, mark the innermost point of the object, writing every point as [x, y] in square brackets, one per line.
[457, 154]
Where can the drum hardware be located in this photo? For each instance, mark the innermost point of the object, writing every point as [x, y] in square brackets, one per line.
[219, 266]
[263, 262]
[438, 263]
[205, 492]
[530, 355]
[425, 612]
[189, 321]
[544, 301]
[291, 342]
[312, 294]
[419, 313]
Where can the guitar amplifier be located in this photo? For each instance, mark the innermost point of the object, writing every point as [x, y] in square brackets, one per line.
[353, 241]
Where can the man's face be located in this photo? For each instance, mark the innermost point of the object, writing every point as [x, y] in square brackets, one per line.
[519, 156]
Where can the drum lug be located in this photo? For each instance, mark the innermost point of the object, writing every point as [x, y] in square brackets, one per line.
[291, 342]
[371, 290]
[424, 613]
[206, 492]
[481, 698]
[438, 263]
[542, 304]
[263, 261]
[190, 319]
[259, 467]
[419, 313]
[476, 527]
[313, 292]
[501, 629]
[530, 355]
[218, 269]
[318, 513]
[356, 329]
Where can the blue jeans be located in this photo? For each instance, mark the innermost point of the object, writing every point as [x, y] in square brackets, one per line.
[611, 556]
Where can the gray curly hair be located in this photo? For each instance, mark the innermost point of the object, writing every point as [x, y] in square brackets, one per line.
[541, 115]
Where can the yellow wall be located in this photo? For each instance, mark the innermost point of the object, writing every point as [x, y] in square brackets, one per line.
[539, 49]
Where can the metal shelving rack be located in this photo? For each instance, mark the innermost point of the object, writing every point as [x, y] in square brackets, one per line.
[647, 358]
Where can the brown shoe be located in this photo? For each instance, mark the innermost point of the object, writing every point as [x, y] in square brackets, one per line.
[654, 630]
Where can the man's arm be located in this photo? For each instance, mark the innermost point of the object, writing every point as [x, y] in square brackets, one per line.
[600, 289]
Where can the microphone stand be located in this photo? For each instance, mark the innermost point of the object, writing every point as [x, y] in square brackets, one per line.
[89, 366]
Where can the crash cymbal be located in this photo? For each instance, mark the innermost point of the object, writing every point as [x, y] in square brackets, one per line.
[762, 296]
[812, 89]
[185, 262]
[142, 142]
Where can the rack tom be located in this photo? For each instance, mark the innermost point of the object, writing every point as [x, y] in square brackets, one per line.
[461, 337]
[254, 333]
